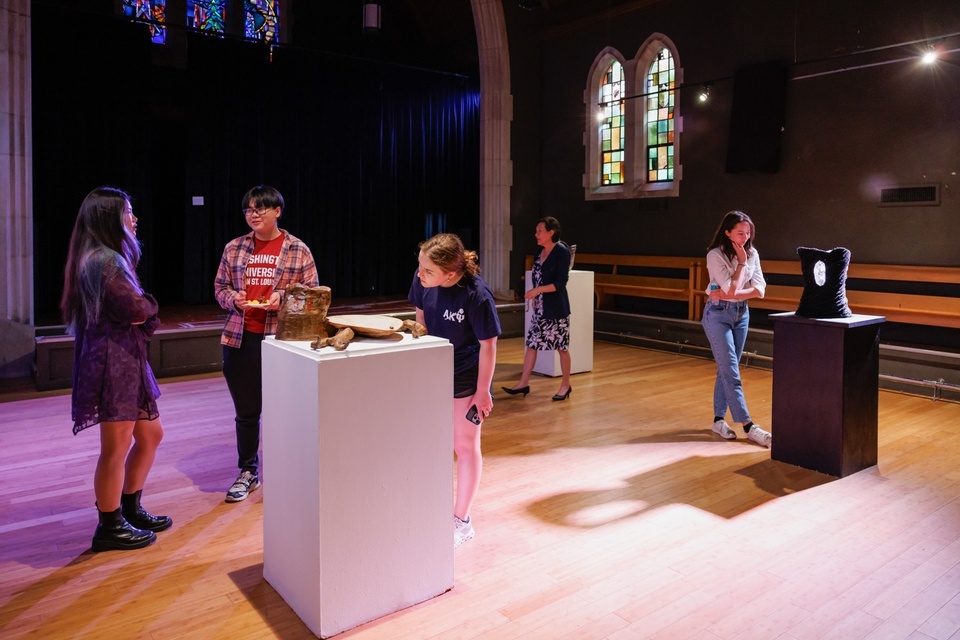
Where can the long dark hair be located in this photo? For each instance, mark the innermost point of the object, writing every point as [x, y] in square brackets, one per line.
[446, 251]
[720, 238]
[100, 238]
[552, 225]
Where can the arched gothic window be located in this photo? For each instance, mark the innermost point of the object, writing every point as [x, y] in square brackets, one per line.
[207, 16]
[657, 172]
[263, 20]
[660, 96]
[260, 18]
[151, 12]
[633, 123]
[607, 137]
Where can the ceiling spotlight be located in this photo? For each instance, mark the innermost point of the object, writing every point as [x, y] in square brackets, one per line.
[934, 50]
[704, 94]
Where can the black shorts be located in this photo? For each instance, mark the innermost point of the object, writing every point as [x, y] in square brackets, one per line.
[465, 382]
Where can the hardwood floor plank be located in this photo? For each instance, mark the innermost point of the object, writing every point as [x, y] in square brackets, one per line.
[615, 514]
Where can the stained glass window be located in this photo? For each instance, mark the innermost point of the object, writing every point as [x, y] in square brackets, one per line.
[661, 85]
[263, 20]
[208, 16]
[611, 125]
[151, 12]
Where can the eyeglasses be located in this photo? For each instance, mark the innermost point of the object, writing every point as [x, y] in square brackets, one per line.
[258, 212]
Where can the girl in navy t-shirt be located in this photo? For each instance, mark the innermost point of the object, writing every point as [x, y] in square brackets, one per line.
[454, 302]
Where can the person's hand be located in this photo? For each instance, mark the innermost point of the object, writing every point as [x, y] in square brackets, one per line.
[240, 301]
[274, 303]
[530, 294]
[741, 253]
[484, 402]
[150, 325]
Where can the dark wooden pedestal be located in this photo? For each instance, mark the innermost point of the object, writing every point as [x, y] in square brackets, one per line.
[825, 392]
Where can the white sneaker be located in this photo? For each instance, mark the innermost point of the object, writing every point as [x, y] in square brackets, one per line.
[722, 429]
[462, 531]
[246, 482]
[761, 437]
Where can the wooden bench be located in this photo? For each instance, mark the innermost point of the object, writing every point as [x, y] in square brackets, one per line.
[897, 306]
[642, 277]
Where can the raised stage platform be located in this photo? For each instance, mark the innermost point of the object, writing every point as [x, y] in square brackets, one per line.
[188, 340]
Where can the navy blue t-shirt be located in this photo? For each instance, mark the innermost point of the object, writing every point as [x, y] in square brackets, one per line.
[464, 314]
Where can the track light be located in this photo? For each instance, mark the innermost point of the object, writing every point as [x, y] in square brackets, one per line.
[930, 56]
[704, 94]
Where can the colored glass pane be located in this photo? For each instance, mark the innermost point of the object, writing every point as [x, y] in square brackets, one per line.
[612, 125]
[262, 20]
[208, 16]
[151, 12]
[661, 94]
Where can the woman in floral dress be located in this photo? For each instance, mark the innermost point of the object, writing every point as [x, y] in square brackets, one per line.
[550, 324]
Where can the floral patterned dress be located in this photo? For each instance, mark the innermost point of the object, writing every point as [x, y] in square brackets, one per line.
[545, 334]
[112, 379]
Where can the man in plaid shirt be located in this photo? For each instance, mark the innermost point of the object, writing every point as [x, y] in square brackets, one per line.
[254, 271]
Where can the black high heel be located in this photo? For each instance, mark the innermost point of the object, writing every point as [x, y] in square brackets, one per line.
[559, 397]
[524, 390]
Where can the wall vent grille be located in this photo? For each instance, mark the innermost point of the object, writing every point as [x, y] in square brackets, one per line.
[912, 195]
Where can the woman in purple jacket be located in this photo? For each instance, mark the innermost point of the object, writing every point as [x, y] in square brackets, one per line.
[112, 318]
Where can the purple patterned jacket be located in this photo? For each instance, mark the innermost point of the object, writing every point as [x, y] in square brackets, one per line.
[112, 379]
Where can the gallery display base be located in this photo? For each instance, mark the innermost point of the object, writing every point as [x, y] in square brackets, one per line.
[580, 292]
[825, 392]
[357, 477]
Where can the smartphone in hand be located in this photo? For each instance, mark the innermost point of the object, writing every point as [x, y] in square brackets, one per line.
[474, 416]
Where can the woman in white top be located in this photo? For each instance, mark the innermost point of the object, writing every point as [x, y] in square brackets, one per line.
[735, 276]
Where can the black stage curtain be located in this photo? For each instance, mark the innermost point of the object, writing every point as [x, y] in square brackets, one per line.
[91, 127]
[370, 157]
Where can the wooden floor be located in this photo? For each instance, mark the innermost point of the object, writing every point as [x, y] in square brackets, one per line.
[614, 515]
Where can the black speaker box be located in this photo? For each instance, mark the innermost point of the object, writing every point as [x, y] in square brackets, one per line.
[757, 118]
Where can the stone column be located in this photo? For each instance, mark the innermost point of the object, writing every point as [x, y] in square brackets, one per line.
[496, 166]
[16, 192]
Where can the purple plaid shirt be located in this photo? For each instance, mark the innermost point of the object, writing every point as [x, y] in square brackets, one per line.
[296, 266]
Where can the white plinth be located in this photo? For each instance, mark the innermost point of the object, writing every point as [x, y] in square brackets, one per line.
[580, 291]
[358, 484]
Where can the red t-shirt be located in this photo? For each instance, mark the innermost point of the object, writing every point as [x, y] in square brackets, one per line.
[258, 278]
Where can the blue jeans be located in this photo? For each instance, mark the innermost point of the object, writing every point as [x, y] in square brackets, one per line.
[725, 324]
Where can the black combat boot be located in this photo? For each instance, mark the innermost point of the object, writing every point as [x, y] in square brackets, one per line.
[140, 517]
[114, 532]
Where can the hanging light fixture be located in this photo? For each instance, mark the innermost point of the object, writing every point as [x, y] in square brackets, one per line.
[371, 17]
[704, 94]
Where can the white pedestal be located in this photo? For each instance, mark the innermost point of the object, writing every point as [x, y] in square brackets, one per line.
[358, 483]
[580, 292]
